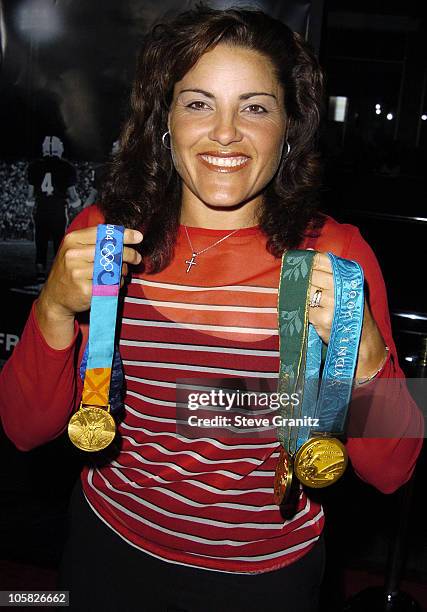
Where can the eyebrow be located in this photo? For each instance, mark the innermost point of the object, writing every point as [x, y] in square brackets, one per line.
[244, 96]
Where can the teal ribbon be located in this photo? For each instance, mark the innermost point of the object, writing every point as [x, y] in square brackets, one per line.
[341, 357]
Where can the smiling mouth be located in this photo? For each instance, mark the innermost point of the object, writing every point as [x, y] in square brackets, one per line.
[224, 164]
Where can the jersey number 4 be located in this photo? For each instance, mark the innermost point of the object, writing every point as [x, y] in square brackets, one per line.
[46, 185]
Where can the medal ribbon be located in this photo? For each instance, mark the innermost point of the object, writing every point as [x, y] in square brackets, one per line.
[311, 385]
[301, 346]
[341, 357]
[293, 298]
[96, 367]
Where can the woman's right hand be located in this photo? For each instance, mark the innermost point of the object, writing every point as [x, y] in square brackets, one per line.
[68, 289]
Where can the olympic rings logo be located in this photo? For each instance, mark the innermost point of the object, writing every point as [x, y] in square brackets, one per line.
[107, 258]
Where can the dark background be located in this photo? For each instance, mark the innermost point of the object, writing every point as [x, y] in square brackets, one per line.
[66, 69]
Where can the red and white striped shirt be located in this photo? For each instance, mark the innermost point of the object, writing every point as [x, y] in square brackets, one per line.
[202, 502]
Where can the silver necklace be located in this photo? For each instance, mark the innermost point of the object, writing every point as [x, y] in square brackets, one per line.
[194, 254]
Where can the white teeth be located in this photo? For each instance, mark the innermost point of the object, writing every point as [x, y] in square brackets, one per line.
[225, 161]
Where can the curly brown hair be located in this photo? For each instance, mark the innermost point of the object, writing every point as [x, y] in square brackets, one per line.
[143, 189]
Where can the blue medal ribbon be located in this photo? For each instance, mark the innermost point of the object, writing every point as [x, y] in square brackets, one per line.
[100, 353]
[341, 357]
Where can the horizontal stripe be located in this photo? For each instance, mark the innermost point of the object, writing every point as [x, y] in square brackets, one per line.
[254, 473]
[228, 288]
[188, 453]
[212, 441]
[281, 553]
[196, 368]
[194, 504]
[105, 289]
[150, 417]
[200, 409]
[198, 347]
[149, 381]
[155, 400]
[313, 521]
[194, 483]
[173, 421]
[180, 470]
[208, 307]
[201, 327]
[172, 385]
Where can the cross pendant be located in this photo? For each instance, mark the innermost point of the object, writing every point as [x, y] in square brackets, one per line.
[191, 262]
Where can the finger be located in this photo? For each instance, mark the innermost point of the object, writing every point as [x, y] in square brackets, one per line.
[131, 256]
[84, 236]
[82, 253]
[125, 269]
[132, 236]
[322, 262]
[87, 235]
[323, 280]
[326, 298]
[81, 273]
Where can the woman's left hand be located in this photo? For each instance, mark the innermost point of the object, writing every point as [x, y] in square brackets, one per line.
[372, 348]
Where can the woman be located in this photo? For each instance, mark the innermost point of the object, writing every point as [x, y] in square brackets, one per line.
[217, 170]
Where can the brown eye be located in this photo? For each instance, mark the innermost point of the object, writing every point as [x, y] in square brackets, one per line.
[196, 102]
[263, 110]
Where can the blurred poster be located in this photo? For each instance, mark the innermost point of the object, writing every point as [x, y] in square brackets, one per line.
[66, 69]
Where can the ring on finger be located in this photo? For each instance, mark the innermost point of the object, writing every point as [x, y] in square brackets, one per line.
[315, 300]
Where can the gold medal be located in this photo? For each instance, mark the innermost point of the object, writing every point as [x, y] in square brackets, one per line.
[283, 477]
[92, 428]
[320, 462]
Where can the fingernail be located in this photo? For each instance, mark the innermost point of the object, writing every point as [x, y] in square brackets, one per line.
[137, 235]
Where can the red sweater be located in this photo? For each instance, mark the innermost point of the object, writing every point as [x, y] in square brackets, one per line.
[206, 502]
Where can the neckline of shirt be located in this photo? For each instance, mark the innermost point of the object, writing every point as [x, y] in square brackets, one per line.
[204, 231]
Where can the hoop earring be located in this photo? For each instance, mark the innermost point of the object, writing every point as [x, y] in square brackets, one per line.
[163, 140]
[288, 147]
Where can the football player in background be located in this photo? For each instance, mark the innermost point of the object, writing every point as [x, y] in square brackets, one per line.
[52, 187]
[98, 174]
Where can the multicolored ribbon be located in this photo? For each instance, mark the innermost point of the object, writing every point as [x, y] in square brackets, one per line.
[103, 377]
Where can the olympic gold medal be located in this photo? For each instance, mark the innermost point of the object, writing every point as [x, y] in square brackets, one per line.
[283, 477]
[320, 462]
[91, 428]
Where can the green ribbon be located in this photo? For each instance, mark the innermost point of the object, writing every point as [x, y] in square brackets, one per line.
[293, 304]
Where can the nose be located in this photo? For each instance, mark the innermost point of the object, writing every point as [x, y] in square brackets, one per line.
[224, 130]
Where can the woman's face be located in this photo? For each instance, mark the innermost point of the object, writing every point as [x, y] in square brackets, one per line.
[238, 110]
